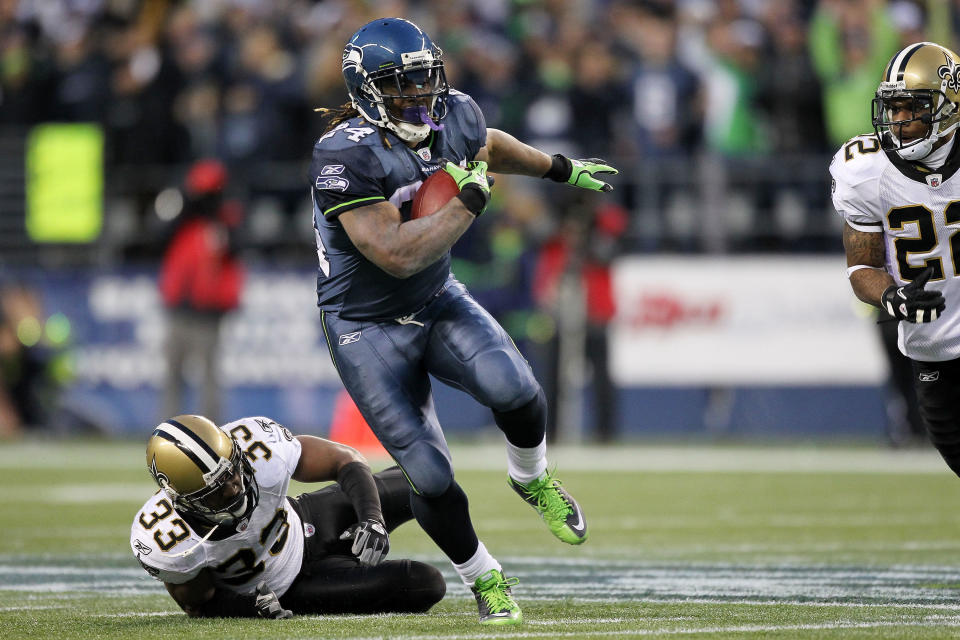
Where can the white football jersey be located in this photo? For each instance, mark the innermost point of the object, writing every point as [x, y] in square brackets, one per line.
[920, 219]
[268, 547]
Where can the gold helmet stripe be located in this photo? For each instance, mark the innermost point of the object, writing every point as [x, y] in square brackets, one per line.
[190, 444]
[899, 63]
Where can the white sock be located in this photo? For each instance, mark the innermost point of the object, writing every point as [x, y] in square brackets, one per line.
[480, 563]
[526, 465]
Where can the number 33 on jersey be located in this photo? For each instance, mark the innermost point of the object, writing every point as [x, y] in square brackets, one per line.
[269, 546]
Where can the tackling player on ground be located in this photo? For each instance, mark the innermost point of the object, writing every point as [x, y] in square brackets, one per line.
[226, 541]
[391, 310]
[899, 195]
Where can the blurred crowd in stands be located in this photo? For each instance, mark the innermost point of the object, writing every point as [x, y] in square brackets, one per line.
[678, 92]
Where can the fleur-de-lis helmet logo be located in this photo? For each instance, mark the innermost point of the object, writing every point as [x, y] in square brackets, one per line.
[158, 475]
[950, 72]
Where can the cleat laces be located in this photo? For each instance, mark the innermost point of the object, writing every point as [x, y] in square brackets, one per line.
[496, 596]
[550, 501]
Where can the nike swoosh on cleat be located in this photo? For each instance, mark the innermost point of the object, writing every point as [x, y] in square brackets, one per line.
[579, 526]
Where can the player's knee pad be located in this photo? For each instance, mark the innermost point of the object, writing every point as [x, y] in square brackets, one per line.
[504, 380]
[427, 469]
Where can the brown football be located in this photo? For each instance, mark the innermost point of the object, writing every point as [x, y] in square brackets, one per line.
[436, 191]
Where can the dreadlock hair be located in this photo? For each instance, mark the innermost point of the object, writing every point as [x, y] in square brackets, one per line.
[344, 112]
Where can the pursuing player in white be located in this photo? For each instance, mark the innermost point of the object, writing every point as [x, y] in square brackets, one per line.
[900, 198]
[226, 541]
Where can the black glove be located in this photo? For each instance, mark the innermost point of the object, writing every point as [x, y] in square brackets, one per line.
[370, 541]
[268, 605]
[912, 302]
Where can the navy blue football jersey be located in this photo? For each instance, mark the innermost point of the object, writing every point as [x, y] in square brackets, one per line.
[352, 168]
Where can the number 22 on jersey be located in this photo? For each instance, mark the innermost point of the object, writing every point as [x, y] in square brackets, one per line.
[926, 241]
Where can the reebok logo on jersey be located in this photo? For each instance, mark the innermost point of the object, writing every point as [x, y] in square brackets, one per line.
[332, 170]
[333, 183]
[349, 338]
[142, 548]
[929, 376]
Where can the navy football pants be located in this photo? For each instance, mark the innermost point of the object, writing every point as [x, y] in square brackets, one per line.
[385, 365]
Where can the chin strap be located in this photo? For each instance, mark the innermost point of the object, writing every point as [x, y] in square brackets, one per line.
[184, 554]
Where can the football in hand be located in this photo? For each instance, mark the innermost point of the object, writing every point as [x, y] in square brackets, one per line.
[436, 191]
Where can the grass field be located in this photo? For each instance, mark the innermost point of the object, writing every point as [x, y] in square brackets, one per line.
[691, 542]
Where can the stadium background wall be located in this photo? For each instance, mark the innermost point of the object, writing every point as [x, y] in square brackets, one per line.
[702, 347]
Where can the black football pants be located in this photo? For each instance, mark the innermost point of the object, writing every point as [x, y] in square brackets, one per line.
[938, 393]
[332, 580]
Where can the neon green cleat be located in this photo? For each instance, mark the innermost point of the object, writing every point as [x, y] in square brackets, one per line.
[557, 507]
[492, 591]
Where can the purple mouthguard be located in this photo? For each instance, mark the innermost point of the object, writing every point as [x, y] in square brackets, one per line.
[413, 114]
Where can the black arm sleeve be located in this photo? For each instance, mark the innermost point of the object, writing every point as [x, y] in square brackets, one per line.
[228, 604]
[356, 481]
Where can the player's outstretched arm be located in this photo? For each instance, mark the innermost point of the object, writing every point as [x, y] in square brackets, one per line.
[506, 154]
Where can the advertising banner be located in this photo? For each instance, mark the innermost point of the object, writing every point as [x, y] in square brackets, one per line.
[690, 321]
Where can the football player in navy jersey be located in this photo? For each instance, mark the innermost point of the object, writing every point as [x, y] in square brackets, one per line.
[392, 312]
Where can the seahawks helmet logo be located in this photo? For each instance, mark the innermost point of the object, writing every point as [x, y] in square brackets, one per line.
[951, 73]
[352, 57]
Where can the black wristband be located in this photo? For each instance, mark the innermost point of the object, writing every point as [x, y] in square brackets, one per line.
[561, 168]
[229, 604]
[358, 484]
[474, 198]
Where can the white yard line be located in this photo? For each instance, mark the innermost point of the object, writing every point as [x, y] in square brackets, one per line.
[492, 457]
[719, 459]
[503, 632]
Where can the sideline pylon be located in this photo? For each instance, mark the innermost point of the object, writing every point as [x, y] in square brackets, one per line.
[348, 427]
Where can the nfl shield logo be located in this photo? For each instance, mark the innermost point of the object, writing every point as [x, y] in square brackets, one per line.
[424, 153]
[934, 180]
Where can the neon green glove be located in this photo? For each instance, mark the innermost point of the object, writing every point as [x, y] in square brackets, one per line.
[475, 172]
[474, 184]
[581, 173]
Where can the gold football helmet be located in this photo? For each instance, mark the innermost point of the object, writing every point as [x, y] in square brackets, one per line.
[193, 461]
[923, 78]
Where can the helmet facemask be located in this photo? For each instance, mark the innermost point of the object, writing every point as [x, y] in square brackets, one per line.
[406, 98]
[206, 503]
[928, 106]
